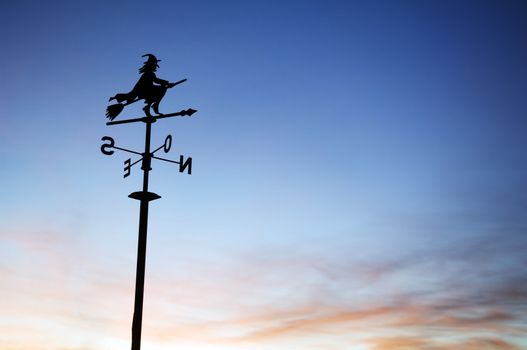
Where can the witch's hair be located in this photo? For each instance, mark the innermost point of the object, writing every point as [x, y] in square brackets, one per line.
[148, 67]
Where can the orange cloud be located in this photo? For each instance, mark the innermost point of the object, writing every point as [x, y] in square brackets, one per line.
[269, 301]
[423, 342]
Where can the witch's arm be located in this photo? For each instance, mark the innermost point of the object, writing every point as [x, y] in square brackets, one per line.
[160, 81]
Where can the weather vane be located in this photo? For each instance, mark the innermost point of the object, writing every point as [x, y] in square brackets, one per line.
[151, 89]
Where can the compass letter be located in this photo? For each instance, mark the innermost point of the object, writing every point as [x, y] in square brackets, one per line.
[127, 166]
[168, 144]
[184, 164]
[105, 146]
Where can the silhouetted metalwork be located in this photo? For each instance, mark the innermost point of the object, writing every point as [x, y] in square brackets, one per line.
[151, 89]
[187, 112]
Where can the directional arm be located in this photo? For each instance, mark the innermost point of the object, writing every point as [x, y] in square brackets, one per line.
[166, 160]
[166, 146]
[106, 148]
[187, 112]
[184, 164]
[127, 150]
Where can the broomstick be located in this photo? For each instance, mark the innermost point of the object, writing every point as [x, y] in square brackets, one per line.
[112, 111]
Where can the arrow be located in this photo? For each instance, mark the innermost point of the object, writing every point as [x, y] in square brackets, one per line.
[182, 113]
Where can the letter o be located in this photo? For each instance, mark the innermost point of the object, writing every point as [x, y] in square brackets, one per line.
[168, 144]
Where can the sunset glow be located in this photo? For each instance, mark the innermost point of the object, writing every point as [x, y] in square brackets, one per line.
[359, 178]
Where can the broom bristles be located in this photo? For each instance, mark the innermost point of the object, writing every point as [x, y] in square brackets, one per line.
[113, 111]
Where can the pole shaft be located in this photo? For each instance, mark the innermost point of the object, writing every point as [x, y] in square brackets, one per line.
[141, 248]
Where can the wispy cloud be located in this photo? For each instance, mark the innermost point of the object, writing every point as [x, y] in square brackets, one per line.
[424, 300]
[442, 298]
[409, 343]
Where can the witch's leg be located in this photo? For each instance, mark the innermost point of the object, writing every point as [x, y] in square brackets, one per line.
[158, 96]
[155, 107]
[146, 109]
[122, 97]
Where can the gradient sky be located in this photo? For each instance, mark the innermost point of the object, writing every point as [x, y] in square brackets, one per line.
[359, 177]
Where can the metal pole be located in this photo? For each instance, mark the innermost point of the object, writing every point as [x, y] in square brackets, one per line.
[144, 198]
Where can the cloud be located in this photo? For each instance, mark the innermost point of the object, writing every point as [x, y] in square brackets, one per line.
[272, 297]
[56, 293]
[455, 291]
[411, 343]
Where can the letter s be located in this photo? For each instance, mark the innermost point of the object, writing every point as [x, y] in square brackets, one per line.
[105, 146]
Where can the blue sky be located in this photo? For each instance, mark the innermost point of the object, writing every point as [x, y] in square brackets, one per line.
[359, 177]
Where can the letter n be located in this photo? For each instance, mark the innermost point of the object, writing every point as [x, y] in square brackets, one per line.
[185, 164]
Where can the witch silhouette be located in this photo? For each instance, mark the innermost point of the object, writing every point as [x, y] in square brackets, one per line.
[149, 88]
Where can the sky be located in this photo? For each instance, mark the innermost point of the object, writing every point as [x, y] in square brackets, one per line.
[359, 175]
